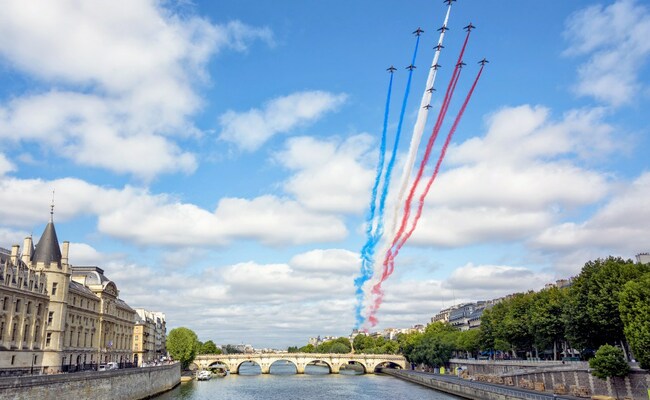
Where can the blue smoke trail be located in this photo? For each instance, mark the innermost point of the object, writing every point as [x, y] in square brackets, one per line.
[368, 250]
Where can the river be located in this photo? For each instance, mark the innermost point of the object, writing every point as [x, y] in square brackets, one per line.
[317, 383]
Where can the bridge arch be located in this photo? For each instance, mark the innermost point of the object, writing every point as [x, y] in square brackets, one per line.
[318, 361]
[237, 369]
[283, 361]
[387, 364]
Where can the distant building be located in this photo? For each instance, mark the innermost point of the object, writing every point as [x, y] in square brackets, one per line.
[643, 258]
[149, 336]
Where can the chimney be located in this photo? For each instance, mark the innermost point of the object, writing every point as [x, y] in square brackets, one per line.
[14, 254]
[27, 249]
[66, 248]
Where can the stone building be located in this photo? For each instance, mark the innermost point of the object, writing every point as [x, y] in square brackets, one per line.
[23, 308]
[149, 336]
[56, 317]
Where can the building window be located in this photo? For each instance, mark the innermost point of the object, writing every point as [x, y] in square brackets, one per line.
[50, 317]
[54, 285]
[48, 339]
[37, 333]
[13, 332]
[35, 360]
[74, 301]
[2, 330]
[4, 303]
[25, 333]
[18, 305]
[29, 307]
[39, 309]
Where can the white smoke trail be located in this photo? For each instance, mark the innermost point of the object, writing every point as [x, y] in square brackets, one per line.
[418, 130]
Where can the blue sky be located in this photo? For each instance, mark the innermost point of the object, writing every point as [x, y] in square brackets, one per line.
[216, 158]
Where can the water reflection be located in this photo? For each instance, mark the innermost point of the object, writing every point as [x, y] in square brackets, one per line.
[317, 383]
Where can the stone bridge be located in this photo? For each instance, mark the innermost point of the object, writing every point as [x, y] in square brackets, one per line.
[369, 362]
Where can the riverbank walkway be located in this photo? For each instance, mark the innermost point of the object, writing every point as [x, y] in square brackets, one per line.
[470, 389]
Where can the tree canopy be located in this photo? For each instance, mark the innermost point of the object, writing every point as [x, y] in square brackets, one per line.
[635, 312]
[182, 345]
[609, 362]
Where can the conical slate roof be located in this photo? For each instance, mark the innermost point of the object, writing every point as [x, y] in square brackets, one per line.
[47, 249]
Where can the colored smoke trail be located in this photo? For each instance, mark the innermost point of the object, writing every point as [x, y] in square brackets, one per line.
[390, 258]
[373, 238]
[435, 172]
[387, 267]
[418, 130]
[367, 252]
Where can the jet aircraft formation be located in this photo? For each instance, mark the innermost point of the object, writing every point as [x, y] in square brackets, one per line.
[383, 243]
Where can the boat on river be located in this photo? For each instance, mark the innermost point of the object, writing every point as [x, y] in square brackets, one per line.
[203, 376]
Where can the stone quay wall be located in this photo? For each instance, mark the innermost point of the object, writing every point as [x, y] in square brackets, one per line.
[456, 389]
[127, 384]
[571, 374]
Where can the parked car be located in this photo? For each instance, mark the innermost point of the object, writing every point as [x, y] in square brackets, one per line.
[108, 366]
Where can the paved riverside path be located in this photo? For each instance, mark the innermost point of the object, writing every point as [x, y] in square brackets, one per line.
[425, 378]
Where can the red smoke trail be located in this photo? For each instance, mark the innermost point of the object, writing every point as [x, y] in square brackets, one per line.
[451, 88]
[389, 261]
[388, 267]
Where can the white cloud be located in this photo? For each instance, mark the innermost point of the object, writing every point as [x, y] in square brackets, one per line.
[134, 214]
[326, 262]
[496, 279]
[5, 165]
[158, 220]
[330, 175]
[615, 38]
[84, 254]
[519, 179]
[125, 80]
[621, 226]
[251, 129]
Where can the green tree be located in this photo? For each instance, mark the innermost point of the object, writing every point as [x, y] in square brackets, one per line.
[209, 347]
[468, 341]
[308, 349]
[340, 345]
[182, 345]
[609, 362]
[634, 307]
[546, 321]
[516, 324]
[339, 348]
[592, 314]
[492, 331]
[292, 349]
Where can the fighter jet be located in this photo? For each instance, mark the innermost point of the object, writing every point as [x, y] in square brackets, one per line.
[448, 2]
[469, 27]
[443, 29]
[411, 67]
[418, 31]
[439, 47]
[428, 106]
[436, 66]
[461, 64]
[431, 89]
[391, 69]
[483, 61]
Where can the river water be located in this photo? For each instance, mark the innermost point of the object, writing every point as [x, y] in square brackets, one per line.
[317, 383]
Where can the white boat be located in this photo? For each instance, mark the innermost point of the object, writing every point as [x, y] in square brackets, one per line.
[203, 376]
